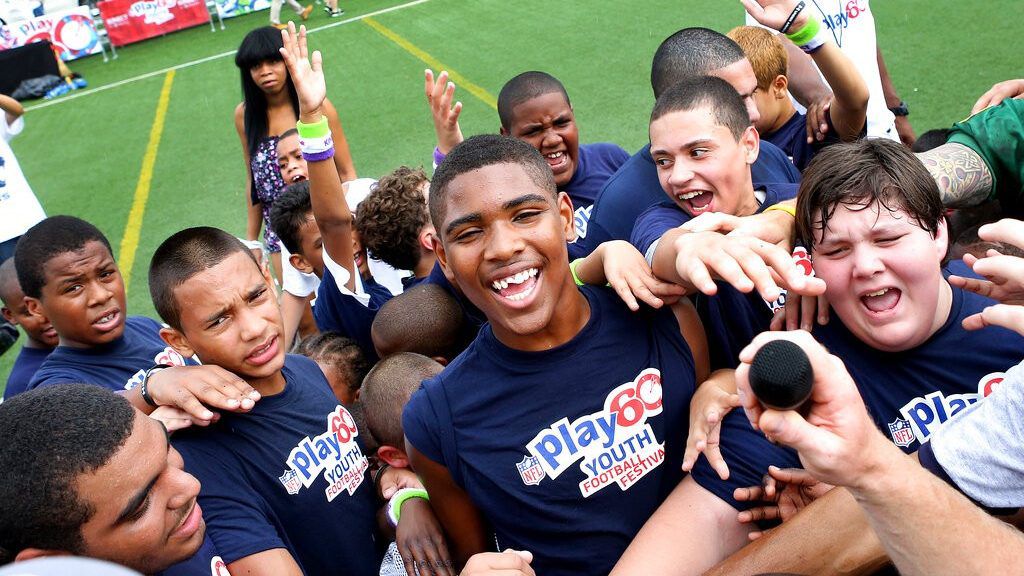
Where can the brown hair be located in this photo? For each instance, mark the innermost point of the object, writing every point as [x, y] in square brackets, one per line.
[765, 52]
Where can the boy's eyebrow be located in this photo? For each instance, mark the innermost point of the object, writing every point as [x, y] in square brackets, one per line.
[220, 312]
[476, 216]
[141, 495]
[690, 144]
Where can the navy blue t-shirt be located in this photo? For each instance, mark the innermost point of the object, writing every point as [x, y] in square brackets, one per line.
[594, 166]
[25, 366]
[336, 311]
[118, 365]
[791, 138]
[908, 394]
[205, 562]
[568, 451]
[290, 474]
[731, 318]
[635, 188]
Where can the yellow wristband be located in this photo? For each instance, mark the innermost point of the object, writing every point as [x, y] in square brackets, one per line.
[572, 268]
[787, 208]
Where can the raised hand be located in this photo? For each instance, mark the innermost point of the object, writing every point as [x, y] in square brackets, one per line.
[439, 95]
[306, 71]
[774, 13]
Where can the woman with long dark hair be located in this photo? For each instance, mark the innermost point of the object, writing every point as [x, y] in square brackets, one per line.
[269, 107]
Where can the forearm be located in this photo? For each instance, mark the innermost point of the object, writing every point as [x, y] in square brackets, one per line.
[850, 103]
[292, 308]
[664, 262]
[914, 513]
[254, 219]
[12, 107]
[963, 177]
[804, 81]
[892, 98]
[831, 536]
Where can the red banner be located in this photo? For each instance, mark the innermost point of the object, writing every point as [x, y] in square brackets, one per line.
[130, 21]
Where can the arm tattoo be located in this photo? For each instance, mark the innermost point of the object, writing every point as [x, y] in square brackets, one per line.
[962, 175]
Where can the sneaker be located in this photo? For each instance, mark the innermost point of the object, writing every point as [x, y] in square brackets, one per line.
[327, 9]
[337, 12]
[280, 26]
[306, 11]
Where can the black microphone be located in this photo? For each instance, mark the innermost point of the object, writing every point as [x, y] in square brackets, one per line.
[781, 375]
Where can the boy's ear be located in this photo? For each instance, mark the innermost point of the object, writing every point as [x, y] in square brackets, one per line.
[751, 142]
[442, 258]
[35, 306]
[299, 262]
[425, 238]
[942, 238]
[395, 457]
[565, 210]
[502, 131]
[780, 86]
[176, 339]
[440, 360]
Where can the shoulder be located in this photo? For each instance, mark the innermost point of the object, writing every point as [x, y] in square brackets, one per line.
[605, 150]
[776, 192]
[240, 115]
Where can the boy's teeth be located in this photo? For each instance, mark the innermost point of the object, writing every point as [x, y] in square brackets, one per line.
[514, 279]
[878, 293]
[554, 155]
[689, 195]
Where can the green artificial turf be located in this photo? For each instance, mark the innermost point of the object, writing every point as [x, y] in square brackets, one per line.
[83, 155]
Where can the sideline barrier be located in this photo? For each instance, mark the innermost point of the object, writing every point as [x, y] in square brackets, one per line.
[129, 21]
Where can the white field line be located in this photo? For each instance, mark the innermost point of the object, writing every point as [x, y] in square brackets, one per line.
[105, 87]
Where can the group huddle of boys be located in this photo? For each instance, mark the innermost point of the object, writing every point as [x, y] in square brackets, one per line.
[561, 428]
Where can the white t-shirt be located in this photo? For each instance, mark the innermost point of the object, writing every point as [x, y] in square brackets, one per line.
[850, 24]
[19, 208]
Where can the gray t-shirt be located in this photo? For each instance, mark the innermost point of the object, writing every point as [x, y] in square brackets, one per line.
[981, 450]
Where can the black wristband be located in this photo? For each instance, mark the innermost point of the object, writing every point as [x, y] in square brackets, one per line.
[144, 387]
[792, 16]
[900, 110]
[376, 475]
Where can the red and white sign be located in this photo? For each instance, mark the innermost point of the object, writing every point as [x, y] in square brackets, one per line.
[71, 32]
[130, 21]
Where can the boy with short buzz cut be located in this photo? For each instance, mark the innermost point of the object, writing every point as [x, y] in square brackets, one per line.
[424, 319]
[292, 463]
[871, 217]
[561, 438]
[535, 108]
[779, 121]
[394, 225]
[703, 145]
[40, 340]
[68, 274]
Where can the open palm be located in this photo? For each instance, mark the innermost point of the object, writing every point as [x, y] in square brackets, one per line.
[306, 71]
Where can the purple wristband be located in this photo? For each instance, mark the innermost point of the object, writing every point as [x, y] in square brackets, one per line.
[318, 156]
[438, 156]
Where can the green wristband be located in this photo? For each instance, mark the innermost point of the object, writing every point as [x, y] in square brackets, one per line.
[395, 504]
[572, 268]
[318, 129]
[807, 33]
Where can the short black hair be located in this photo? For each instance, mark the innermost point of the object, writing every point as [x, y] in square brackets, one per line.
[523, 87]
[48, 437]
[340, 353]
[869, 171]
[386, 391]
[287, 133]
[424, 319]
[478, 152]
[931, 139]
[290, 211]
[390, 218]
[46, 240]
[708, 92]
[9, 284]
[691, 52]
[181, 257]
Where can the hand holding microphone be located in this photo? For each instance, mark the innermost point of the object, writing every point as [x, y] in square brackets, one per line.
[782, 372]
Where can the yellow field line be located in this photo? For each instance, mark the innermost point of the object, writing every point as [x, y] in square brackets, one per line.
[459, 80]
[130, 239]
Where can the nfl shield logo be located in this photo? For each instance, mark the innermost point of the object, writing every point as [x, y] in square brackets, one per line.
[291, 482]
[901, 432]
[530, 470]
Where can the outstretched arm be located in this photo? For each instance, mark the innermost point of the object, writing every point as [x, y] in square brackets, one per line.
[330, 209]
[963, 177]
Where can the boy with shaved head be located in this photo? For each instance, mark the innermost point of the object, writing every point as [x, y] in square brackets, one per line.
[41, 338]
